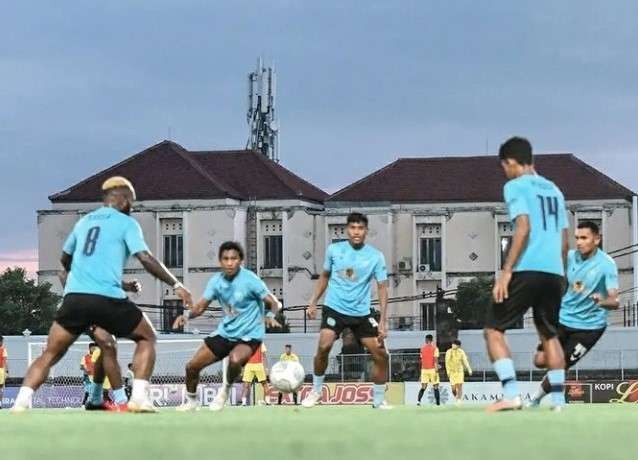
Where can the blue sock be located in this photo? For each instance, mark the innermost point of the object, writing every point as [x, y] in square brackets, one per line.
[556, 378]
[317, 382]
[119, 396]
[96, 394]
[378, 394]
[507, 375]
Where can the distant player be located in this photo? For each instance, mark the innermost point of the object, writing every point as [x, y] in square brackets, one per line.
[348, 271]
[243, 297]
[128, 380]
[288, 355]
[532, 275]
[592, 291]
[94, 256]
[4, 368]
[87, 368]
[429, 369]
[255, 368]
[456, 364]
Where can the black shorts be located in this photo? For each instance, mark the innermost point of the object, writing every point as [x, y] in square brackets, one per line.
[540, 291]
[576, 343]
[362, 326]
[79, 312]
[221, 347]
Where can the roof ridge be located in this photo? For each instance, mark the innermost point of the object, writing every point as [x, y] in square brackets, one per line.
[102, 171]
[222, 186]
[461, 156]
[365, 178]
[603, 175]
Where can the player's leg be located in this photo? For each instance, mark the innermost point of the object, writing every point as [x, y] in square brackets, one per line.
[143, 362]
[500, 318]
[58, 342]
[237, 358]
[266, 390]
[327, 337]
[280, 396]
[108, 345]
[245, 389]
[203, 357]
[366, 330]
[437, 394]
[294, 397]
[424, 387]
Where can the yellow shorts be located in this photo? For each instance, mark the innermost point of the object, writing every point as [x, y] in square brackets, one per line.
[2, 377]
[430, 376]
[457, 377]
[254, 370]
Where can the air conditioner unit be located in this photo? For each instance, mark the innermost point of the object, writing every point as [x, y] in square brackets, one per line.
[424, 268]
[405, 265]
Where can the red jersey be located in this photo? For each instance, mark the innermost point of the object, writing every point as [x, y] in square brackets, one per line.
[3, 357]
[429, 356]
[258, 355]
[89, 365]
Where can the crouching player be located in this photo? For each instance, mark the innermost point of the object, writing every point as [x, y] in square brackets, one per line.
[593, 291]
[242, 295]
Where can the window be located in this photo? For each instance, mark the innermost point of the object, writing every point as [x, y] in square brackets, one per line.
[430, 247]
[174, 251]
[172, 309]
[273, 251]
[337, 233]
[505, 235]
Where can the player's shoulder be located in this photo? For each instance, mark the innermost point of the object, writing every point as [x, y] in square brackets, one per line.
[606, 259]
[249, 275]
[516, 185]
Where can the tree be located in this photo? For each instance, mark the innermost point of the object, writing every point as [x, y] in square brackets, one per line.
[472, 301]
[25, 304]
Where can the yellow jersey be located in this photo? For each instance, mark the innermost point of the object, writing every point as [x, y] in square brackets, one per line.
[94, 357]
[288, 357]
[456, 361]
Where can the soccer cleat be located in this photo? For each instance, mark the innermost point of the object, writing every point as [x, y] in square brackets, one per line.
[90, 406]
[188, 406]
[505, 405]
[383, 406]
[16, 409]
[219, 401]
[141, 407]
[110, 406]
[418, 403]
[557, 408]
[311, 400]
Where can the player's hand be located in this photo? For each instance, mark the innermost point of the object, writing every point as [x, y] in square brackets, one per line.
[469, 372]
[185, 295]
[597, 298]
[132, 286]
[382, 331]
[500, 292]
[179, 322]
[312, 311]
[273, 323]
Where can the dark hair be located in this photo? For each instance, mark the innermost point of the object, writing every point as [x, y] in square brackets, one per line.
[457, 342]
[429, 337]
[231, 246]
[1, 339]
[590, 225]
[130, 365]
[92, 344]
[518, 149]
[287, 346]
[357, 218]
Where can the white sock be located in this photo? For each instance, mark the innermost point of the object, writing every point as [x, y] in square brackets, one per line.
[243, 401]
[24, 397]
[140, 390]
[540, 394]
[191, 397]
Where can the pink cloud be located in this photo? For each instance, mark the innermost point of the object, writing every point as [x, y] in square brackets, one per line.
[27, 259]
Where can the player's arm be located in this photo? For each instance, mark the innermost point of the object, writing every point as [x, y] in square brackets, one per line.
[159, 271]
[191, 312]
[611, 302]
[274, 306]
[382, 292]
[320, 287]
[466, 363]
[565, 247]
[448, 361]
[65, 260]
[519, 242]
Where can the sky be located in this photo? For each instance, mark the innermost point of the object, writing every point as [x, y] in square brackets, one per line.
[84, 85]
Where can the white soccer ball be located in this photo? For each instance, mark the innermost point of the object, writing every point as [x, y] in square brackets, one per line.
[287, 376]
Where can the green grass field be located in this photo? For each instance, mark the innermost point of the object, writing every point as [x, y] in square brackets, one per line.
[263, 433]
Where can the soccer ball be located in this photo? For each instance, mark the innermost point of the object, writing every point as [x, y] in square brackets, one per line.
[287, 376]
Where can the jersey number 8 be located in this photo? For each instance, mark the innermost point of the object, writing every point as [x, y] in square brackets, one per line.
[91, 240]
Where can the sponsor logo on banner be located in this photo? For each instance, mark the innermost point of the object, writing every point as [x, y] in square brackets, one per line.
[353, 393]
[615, 391]
[473, 392]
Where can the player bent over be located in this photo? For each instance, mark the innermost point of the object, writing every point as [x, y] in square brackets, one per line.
[94, 256]
[348, 271]
[242, 295]
[593, 291]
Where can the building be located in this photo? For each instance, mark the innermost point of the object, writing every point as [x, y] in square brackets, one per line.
[439, 221]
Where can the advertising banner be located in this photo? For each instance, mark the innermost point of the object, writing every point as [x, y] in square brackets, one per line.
[615, 391]
[347, 393]
[473, 392]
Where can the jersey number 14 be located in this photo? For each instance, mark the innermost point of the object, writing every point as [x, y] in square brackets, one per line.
[549, 208]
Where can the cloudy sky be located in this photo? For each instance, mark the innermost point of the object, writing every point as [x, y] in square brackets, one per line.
[85, 84]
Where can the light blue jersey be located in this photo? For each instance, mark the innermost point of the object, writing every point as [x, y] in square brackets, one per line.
[242, 299]
[100, 244]
[596, 275]
[351, 273]
[544, 204]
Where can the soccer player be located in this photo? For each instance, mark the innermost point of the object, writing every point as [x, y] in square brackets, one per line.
[93, 257]
[429, 369]
[456, 364]
[348, 271]
[87, 368]
[128, 380]
[288, 355]
[243, 296]
[4, 368]
[592, 291]
[532, 275]
[255, 368]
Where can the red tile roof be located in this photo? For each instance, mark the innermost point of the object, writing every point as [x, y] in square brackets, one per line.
[474, 179]
[168, 171]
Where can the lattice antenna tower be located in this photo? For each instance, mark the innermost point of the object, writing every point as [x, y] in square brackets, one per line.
[263, 126]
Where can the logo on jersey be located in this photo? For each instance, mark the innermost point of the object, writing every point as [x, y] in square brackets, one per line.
[578, 353]
[373, 322]
[579, 286]
[331, 321]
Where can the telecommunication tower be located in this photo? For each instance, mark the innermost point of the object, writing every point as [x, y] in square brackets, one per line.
[261, 116]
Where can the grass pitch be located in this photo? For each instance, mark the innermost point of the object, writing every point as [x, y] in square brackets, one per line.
[262, 433]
